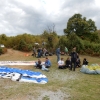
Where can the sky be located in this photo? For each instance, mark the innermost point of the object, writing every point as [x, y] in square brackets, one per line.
[35, 16]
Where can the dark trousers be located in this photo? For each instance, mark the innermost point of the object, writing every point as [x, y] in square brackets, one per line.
[67, 65]
[39, 66]
[73, 65]
[47, 66]
[61, 67]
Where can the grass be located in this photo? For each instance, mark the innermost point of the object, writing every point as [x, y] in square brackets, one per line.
[62, 84]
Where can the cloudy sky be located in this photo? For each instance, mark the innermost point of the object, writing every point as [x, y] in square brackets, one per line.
[35, 16]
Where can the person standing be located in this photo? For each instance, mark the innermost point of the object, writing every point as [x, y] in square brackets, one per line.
[73, 59]
[66, 50]
[34, 51]
[58, 54]
[44, 52]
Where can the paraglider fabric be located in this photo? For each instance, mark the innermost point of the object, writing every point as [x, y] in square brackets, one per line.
[92, 69]
[22, 75]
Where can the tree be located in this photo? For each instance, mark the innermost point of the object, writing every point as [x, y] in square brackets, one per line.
[80, 26]
[3, 39]
[50, 37]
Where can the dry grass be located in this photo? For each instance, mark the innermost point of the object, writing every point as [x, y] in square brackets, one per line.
[62, 84]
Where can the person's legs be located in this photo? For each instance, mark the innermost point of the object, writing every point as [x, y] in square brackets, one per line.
[47, 66]
[64, 67]
[35, 54]
[58, 57]
[74, 66]
[71, 65]
[60, 67]
[67, 66]
[44, 68]
[39, 66]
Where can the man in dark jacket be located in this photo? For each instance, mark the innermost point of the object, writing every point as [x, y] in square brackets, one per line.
[73, 59]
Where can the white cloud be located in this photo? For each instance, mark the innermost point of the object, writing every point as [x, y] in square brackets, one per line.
[33, 16]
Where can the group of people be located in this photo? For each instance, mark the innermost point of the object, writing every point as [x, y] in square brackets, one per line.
[72, 62]
[40, 52]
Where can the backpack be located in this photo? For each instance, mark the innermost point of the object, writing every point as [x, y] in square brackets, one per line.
[74, 55]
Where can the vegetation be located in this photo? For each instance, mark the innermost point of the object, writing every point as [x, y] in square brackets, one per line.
[79, 32]
[85, 29]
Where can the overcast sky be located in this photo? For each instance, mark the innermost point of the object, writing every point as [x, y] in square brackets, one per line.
[34, 16]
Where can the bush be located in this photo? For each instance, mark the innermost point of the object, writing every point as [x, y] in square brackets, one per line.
[3, 50]
[75, 41]
[91, 48]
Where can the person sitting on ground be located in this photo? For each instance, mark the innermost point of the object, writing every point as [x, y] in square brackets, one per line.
[38, 64]
[47, 63]
[61, 64]
[78, 62]
[85, 62]
[68, 62]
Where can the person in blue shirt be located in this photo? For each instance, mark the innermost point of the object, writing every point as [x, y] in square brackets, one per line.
[47, 63]
[58, 54]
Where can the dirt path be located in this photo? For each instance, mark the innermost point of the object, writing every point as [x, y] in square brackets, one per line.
[15, 55]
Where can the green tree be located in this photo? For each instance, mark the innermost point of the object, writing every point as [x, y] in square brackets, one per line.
[75, 41]
[51, 39]
[22, 45]
[80, 26]
[63, 41]
[3, 39]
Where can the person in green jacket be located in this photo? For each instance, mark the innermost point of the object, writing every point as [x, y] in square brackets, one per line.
[66, 50]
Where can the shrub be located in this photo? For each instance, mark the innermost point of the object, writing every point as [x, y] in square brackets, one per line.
[3, 50]
[75, 41]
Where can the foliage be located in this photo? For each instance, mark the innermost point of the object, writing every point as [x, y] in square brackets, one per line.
[51, 40]
[71, 41]
[80, 26]
[3, 39]
[91, 48]
[22, 45]
[62, 42]
[3, 50]
[25, 42]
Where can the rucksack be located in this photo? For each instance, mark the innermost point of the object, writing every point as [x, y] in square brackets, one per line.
[73, 55]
